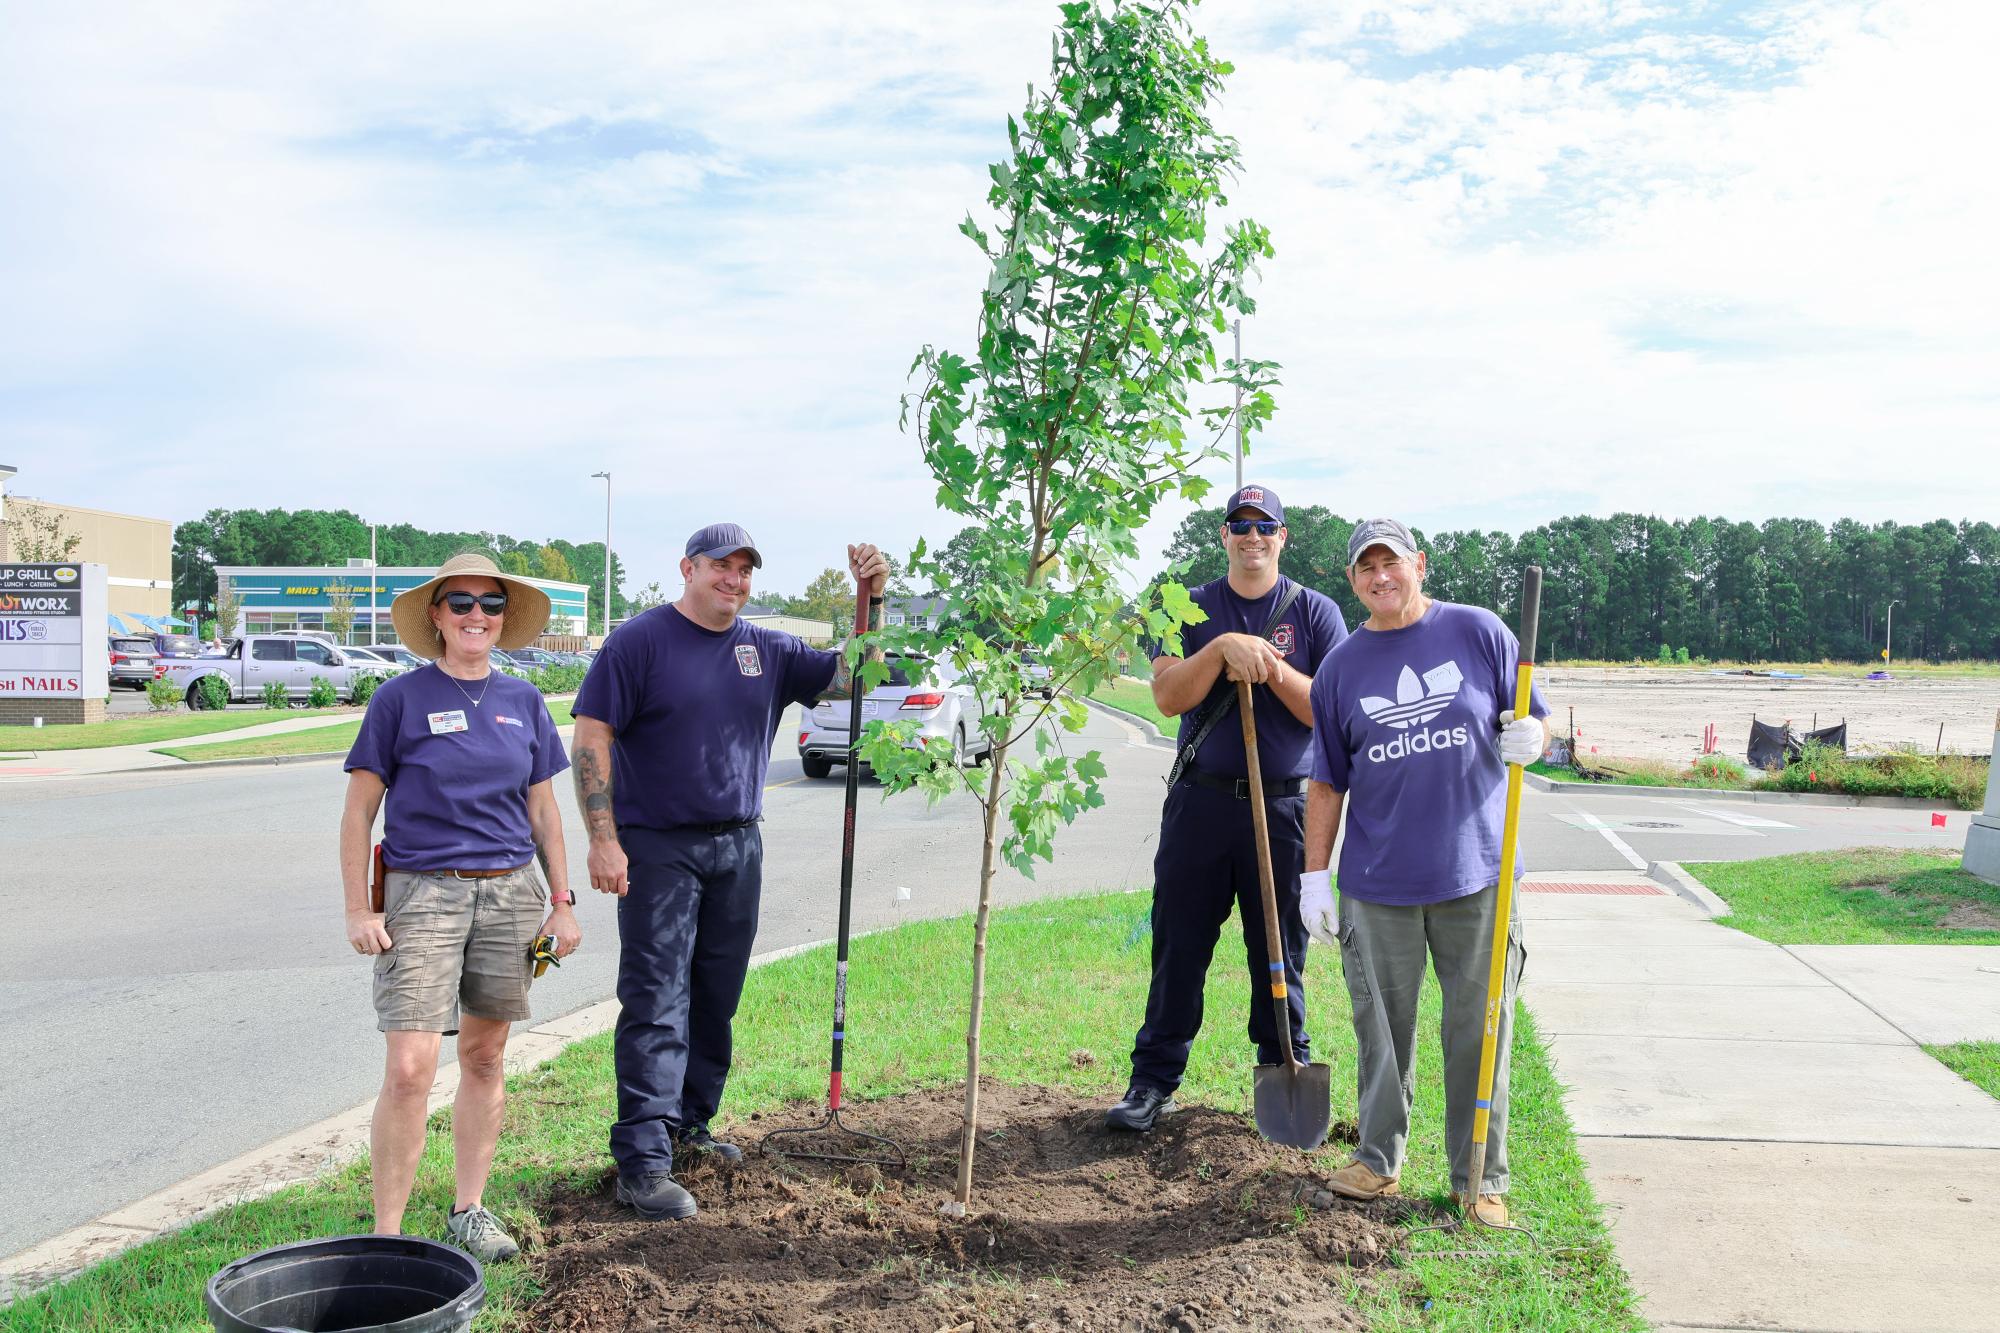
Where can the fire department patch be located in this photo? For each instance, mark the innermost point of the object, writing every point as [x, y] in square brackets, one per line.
[1282, 638]
[747, 661]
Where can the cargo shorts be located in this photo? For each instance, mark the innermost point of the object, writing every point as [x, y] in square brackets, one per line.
[457, 944]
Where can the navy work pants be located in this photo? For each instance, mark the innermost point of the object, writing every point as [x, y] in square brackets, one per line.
[685, 927]
[1207, 862]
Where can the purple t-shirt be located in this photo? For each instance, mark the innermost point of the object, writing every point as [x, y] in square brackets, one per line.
[694, 712]
[1406, 723]
[458, 775]
[1304, 637]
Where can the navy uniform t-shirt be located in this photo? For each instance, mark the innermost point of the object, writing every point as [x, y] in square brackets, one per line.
[458, 774]
[693, 712]
[1306, 634]
[1406, 723]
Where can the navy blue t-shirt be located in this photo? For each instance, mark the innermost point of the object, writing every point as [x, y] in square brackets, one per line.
[458, 774]
[693, 712]
[1304, 637]
[1406, 723]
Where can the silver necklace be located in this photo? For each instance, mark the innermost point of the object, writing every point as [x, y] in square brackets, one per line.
[462, 690]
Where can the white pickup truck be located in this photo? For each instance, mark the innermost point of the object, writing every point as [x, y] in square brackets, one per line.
[290, 660]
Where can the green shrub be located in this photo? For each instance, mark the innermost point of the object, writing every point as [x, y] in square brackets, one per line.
[1948, 779]
[163, 694]
[321, 693]
[275, 695]
[557, 679]
[365, 687]
[1716, 770]
[214, 691]
[1681, 656]
[1666, 655]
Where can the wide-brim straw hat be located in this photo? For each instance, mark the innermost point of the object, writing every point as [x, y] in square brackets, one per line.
[527, 608]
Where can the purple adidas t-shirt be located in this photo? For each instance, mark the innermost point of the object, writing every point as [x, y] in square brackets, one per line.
[1306, 634]
[694, 712]
[458, 774]
[1406, 723]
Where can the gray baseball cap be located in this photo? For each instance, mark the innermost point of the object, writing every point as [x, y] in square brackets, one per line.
[720, 539]
[1380, 532]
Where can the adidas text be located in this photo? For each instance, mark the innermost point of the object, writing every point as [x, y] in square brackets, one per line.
[1420, 742]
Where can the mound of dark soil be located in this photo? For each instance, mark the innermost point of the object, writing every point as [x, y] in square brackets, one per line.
[1199, 1225]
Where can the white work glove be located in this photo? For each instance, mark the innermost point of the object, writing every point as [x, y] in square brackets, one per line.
[1316, 909]
[1521, 739]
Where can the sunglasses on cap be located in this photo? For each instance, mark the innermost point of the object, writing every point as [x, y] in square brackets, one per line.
[1264, 526]
[461, 603]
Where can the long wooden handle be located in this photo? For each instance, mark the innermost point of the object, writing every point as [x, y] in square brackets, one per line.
[1503, 907]
[1274, 945]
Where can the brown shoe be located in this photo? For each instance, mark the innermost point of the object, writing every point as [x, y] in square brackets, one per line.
[1357, 1181]
[1491, 1209]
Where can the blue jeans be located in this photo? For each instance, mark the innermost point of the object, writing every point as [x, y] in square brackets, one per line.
[685, 928]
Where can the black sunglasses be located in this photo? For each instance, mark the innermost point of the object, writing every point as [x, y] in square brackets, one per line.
[1265, 526]
[461, 603]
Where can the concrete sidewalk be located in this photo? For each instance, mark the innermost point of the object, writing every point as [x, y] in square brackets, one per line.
[130, 758]
[1772, 1147]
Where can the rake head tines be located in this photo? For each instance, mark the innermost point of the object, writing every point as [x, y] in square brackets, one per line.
[830, 1122]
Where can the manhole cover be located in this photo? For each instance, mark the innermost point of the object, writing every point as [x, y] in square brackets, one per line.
[1651, 823]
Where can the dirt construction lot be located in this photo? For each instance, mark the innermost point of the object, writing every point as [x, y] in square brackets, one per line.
[1646, 713]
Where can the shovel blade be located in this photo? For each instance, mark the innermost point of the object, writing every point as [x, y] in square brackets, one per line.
[1294, 1103]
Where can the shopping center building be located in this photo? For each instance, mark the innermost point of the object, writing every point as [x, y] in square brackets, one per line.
[307, 597]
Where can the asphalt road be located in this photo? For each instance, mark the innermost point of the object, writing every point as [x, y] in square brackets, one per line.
[180, 989]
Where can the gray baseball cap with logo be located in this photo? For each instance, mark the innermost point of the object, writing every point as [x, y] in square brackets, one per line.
[1380, 532]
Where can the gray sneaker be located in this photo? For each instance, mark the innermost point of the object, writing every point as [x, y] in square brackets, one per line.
[478, 1233]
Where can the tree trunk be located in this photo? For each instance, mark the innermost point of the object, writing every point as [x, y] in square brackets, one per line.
[967, 1141]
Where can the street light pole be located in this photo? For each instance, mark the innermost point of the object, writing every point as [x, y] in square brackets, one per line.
[607, 553]
[1239, 408]
[373, 581]
[1888, 630]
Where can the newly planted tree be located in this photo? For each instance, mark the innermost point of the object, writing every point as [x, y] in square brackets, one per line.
[1111, 275]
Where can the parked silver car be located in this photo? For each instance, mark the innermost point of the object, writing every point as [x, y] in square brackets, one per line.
[943, 707]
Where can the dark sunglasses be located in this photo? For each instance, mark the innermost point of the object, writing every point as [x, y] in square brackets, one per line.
[461, 603]
[1265, 526]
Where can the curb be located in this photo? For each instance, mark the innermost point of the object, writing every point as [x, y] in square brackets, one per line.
[1686, 886]
[289, 1160]
[1145, 725]
[1541, 783]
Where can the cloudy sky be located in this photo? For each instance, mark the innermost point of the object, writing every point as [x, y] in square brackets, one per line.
[437, 263]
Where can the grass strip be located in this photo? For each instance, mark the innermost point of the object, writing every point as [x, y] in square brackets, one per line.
[314, 740]
[1977, 1062]
[1136, 697]
[146, 729]
[1864, 895]
[1848, 670]
[1066, 990]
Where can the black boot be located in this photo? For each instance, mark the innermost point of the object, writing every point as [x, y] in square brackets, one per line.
[704, 1144]
[1141, 1107]
[655, 1196]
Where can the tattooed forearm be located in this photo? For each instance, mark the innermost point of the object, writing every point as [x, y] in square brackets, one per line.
[593, 793]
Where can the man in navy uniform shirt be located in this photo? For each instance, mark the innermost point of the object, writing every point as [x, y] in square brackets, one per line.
[1268, 630]
[674, 726]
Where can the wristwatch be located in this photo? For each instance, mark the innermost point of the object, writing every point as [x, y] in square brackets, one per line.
[562, 897]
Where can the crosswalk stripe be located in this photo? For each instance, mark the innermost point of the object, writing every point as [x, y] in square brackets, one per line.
[1732, 816]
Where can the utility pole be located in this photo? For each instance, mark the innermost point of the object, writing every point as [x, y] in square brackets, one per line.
[1239, 404]
[373, 580]
[607, 553]
[1888, 629]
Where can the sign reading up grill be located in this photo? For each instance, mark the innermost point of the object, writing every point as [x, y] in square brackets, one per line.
[52, 632]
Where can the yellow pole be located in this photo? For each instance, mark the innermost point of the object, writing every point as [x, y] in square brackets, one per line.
[1503, 910]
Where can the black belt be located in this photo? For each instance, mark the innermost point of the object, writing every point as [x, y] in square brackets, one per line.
[723, 826]
[1240, 787]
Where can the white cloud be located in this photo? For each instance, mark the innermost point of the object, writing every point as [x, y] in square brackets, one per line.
[438, 263]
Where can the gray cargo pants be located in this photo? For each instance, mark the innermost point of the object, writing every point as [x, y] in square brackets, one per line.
[1382, 950]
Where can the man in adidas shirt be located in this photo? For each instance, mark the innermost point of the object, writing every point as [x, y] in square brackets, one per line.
[1207, 856]
[1412, 730]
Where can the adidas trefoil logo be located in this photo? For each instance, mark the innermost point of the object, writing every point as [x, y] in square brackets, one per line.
[1417, 701]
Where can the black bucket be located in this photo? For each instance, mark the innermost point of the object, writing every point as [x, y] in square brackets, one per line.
[349, 1284]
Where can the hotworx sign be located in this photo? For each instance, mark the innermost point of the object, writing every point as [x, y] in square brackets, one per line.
[45, 651]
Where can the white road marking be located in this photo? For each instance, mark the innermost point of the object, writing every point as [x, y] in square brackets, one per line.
[1732, 816]
[1624, 848]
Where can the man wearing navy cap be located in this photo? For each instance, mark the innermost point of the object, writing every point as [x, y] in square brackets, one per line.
[1268, 630]
[674, 726]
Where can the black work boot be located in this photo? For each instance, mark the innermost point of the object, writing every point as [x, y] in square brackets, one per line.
[655, 1196]
[704, 1144]
[1141, 1107]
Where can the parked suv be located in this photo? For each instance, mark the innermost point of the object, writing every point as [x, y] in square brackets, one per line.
[942, 707]
[133, 660]
[291, 660]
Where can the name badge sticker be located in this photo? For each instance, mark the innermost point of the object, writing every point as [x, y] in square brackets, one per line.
[1443, 679]
[443, 724]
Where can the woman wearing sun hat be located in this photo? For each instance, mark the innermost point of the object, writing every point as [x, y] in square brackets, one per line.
[464, 755]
